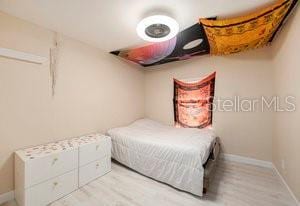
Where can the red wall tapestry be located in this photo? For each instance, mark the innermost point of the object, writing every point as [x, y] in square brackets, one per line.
[193, 102]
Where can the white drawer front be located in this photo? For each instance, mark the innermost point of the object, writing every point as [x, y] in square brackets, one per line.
[42, 169]
[51, 190]
[94, 170]
[91, 152]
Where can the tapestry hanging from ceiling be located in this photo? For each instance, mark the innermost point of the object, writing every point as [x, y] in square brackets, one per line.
[214, 36]
[248, 32]
[188, 43]
[193, 102]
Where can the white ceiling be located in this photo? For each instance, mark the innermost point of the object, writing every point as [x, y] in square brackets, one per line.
[110, 24]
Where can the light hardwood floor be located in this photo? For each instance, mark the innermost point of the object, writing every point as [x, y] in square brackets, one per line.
[235, 184]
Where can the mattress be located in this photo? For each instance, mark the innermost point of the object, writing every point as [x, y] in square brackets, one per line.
[171, 155]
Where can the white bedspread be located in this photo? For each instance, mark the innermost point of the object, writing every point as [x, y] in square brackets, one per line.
[171, 155]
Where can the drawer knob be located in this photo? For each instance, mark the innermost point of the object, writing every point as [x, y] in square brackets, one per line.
[97, 165]
[54, 160]
[97, 147]
[55, 183]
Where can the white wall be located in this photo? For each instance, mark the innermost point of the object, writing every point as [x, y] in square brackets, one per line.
[286, 140]
[95, 91]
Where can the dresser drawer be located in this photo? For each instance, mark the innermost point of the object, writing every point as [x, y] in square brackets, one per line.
[51, 190]
[94, 170]
[41, 169]
[94, 151]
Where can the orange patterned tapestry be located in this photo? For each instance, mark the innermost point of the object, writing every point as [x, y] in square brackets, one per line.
[193, 102]
[248, 32]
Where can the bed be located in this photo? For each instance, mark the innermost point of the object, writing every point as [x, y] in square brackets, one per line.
[184, 158]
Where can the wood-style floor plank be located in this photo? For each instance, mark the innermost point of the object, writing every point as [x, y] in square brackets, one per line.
[234, 184]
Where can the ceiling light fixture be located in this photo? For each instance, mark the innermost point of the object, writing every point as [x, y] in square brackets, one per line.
[157, 28]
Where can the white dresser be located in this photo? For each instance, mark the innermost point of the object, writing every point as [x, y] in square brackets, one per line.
[48, 172]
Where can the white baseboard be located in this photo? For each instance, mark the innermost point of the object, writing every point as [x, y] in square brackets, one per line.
[286, 185]
[261, 163]
[7, 197]
[246, 160]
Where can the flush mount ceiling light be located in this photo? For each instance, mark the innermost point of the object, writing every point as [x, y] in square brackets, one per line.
[157, 28]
